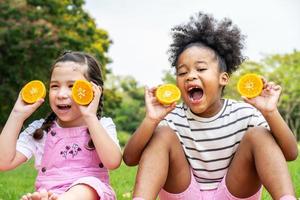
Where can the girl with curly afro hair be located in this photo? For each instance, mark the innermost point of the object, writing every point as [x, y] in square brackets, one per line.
[209, 147]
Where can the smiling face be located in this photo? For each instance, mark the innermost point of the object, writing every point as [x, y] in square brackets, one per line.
[63, 76]
[200, 80]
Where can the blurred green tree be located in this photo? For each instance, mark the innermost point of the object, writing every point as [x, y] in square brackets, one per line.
[286, 72]
[33, 33]
[169, 77]
[129, 113]
[133, 105]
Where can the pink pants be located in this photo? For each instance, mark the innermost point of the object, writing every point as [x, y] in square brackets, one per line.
[193, 193]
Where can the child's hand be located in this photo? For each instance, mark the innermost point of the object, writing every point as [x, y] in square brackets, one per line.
[91, 109]
[155, 110]
[24, 110]
[266, 102]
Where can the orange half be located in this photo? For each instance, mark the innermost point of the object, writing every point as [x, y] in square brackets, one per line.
[33, 91]
[250, 85]
[82, 92]
[167, 94]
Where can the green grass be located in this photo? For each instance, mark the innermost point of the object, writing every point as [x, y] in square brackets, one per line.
[122, 180]
[14, 184]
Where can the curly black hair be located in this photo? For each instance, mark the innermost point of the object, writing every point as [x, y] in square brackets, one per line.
[224, 38]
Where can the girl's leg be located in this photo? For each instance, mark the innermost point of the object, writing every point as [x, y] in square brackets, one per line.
[79, 192]
[258, 160]
[162, 165]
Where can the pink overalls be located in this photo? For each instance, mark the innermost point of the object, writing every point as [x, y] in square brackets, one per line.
[67, 161]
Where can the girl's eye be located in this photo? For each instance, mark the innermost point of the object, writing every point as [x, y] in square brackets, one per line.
[201, 69]
[181, 73]
[70, 86]
[53, 86]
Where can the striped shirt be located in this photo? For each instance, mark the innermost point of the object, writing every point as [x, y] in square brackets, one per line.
[210, 143]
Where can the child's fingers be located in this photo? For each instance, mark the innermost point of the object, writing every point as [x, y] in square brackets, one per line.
[247, 100]
[152, 90]
[19, 97]
[264, 81]
[277, 87]
[36, 105]
[44, 194]
[171, 107]
[270, 85]
[149, 92]
[24, 197]
[29, 196]
[97, 91]
[53, 197]
[35, 196]
[146, 92]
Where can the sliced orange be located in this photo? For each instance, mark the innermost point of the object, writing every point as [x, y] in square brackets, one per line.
[33, 91]
[167, 94]
[250, 85]
[82, 92]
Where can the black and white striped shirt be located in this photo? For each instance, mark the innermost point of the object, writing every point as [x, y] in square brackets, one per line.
[210, 143]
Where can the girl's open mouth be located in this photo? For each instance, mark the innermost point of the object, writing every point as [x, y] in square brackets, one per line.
[195, 94]
[63, 107]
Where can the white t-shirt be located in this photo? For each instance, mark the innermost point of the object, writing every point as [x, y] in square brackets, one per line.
[210, 143]
[28, 146]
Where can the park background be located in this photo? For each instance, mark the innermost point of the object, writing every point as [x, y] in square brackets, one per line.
[133, 54]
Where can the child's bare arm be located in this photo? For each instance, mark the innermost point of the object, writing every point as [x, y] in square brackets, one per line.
[9, 157]
[107, 149]
[283, 135]
[138, 141]
[267, 104]
[155, 112]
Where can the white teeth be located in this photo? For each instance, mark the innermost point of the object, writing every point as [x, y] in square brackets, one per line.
[193, 88]
[64, 106]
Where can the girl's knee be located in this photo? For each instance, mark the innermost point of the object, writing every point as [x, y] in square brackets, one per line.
[164, 139]
[165, 134]
[258, 135]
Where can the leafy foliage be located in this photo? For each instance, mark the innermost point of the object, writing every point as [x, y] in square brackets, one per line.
[286, 72]
[33, 33]
[169, 77]
[129, 113]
